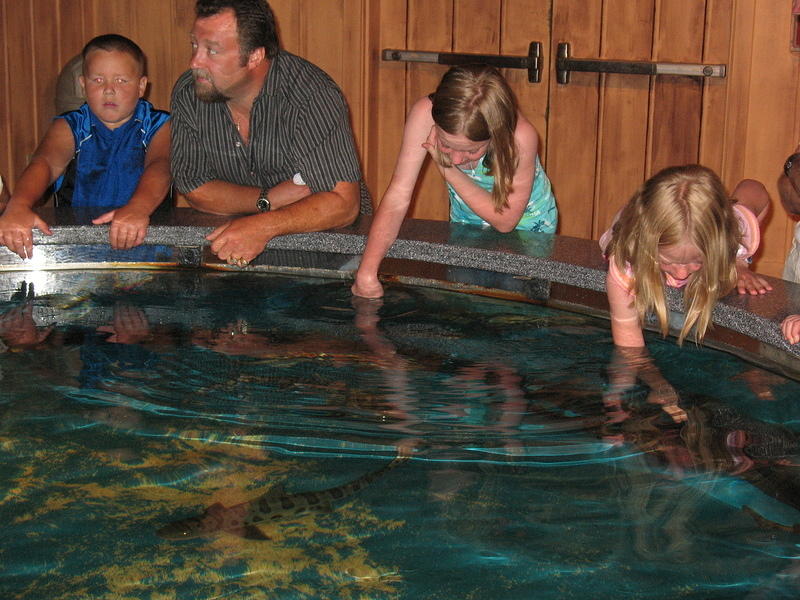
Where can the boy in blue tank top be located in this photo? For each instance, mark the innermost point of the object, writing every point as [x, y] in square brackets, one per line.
[120, 147]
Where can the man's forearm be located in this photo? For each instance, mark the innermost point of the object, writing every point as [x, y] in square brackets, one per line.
[223, 198]
[317, 212]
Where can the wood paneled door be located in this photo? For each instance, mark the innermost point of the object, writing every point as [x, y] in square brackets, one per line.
[601, 135]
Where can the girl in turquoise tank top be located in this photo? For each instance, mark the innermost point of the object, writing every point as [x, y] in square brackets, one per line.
[487, 153]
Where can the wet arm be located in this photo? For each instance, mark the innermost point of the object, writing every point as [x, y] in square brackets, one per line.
[395, 202]
[626, 327]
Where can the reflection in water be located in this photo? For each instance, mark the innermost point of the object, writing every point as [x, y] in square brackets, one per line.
[545, 463]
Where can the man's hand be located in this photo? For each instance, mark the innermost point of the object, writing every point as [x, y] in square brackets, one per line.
[16, 229]
[128, 227]
[239, 241]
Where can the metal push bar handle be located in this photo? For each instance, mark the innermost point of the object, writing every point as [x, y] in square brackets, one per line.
[532, 62]
[565, 64]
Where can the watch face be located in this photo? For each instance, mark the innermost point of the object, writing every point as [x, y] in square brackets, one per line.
[262, 204]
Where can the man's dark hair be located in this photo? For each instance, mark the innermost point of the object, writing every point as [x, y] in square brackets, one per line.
[119, 43]
[254, 22]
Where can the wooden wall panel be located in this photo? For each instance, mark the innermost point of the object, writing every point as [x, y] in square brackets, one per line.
[156, 46]
[45, 52]
[675, 108]
[22, 97]
[523, 22]
[339, 50]
[181, 18]
[384, 93]
[572, 123]
[716, 91]
[477, 35]
[622, 140]
[430, 28]
[288, 14]
[71, 38]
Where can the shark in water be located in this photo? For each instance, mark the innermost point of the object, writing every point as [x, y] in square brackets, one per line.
[243, 519]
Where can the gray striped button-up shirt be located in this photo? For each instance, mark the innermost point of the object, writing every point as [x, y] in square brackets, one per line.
[299, 124]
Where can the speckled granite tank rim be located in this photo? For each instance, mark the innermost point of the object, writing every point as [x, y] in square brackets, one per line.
[549, 258]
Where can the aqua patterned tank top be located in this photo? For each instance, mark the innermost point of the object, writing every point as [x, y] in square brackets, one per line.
[539, 215]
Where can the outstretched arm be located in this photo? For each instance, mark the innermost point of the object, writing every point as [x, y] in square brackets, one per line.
[49, 161]
[394, 204]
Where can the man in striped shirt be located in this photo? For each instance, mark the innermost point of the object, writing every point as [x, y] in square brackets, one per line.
[259, 133]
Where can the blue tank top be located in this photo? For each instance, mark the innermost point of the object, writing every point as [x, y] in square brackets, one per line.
[109, 162]
[539, 215]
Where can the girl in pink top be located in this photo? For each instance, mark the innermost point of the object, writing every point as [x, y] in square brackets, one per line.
[682, 230]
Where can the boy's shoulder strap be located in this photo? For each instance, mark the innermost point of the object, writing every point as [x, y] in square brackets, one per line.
[80, 122]
[151, 120]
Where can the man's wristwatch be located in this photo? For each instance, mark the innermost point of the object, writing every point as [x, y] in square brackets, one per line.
[263, 203]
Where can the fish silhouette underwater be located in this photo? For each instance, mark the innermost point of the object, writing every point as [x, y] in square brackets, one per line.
[243, 519]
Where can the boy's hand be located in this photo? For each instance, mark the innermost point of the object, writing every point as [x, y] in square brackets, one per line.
[128, 227]
[16, 229]
[791, 329]
[749, 282]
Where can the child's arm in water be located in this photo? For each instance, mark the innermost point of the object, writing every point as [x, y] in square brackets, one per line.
[395, 201]
[626, 327]
[478, 199]
[48, 163]
[129, 223]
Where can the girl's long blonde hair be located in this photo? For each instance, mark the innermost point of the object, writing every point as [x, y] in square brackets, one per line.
[475, 101]
[675, 206]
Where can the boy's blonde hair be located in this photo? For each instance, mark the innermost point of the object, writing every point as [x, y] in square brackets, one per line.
[475, 101]
[677, 205]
